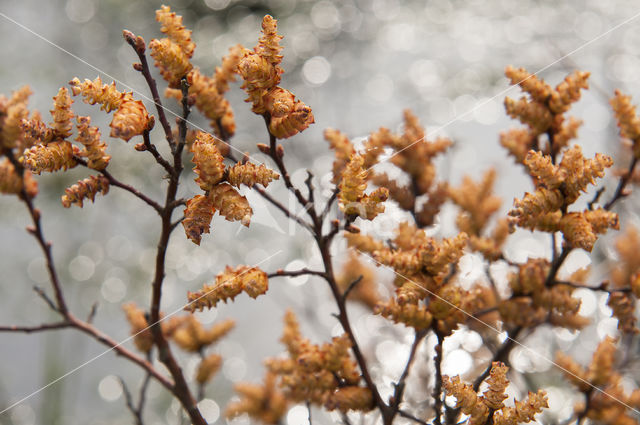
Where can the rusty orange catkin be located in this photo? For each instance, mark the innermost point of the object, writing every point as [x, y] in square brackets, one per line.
[172, 27]
[52, 157]
[62, 114]
[209, 163]
[95, 148]
[250, 174]
[171, 60]
[228, 285]
[85, 189]
[230, 204]
[197, 217]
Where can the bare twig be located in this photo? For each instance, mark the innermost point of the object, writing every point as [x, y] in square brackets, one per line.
[37, 328]
[351, 287]
[115, 182]
[181, 388]
[151, 148]
[139, 47]
[42, 294]
[400, 386]
[294, 273]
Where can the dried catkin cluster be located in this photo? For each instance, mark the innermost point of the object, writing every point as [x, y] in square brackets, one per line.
[94, 147]
[172, 54]
[321, 374]
[85, 189]
[627, 119]
[532, 302]
[130, 118]
[12, 183]
[625, 281]
[603, 406]
[426, 294]
[187, 333]
[477, 205]
[227, 286]
[481, 407]
[411, 152]
[216, 180]
[208, 94]
[542, 112]
[365, 289]
[557, 188]
[353, 183]
[13, 112]
[266, 402]
[260, 69]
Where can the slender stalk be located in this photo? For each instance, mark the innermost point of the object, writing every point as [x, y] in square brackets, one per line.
[139, 47]
[437, 388]
[181, 388]
[115, 182]
[37, 328]
[400, 386]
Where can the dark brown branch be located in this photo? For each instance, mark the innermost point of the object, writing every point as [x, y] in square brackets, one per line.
[282, 208]
[587, 404]
[500, 356]
[330, 201]
[42, 294]
[276, 153]
[115, 182]
[139, 47]
[137, 416]
[596, 198]
[622, 184]
[36, 231]
[294, 273]
[351, 287]
[37, 328]
[181, 388]
[400, 386]
[409, 416]
[151, 148]
[437, 387]
[121, 350]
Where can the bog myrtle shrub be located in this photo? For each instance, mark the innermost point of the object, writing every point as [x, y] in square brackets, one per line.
[426, 294]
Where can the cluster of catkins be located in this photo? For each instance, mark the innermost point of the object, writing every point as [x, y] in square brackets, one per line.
[607, 401]
[320, 374]
[428, 294]
[490, 405]
[34, 147]
[186, 331]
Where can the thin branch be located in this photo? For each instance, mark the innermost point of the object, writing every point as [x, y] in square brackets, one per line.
[400, 386]
[437, 388]
[596, 198]
[622, 184]
[294, 273]
[42, 294]
[129, 402]
[181, 388]
[38, 328]
[45, 246]
[351, 287]
[282, 208]
[115, 182]
[139, 47]
[409, 416]
[500, 356]
[330, 201]
[151, 148]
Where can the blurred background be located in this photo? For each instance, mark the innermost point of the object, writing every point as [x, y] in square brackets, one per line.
[358, 64]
